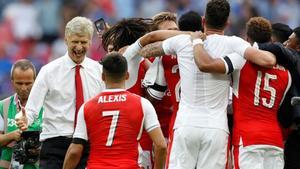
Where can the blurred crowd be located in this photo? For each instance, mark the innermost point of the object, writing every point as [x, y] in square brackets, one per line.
[33, 29]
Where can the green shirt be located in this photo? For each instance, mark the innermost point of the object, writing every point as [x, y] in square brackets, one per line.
[11, 126]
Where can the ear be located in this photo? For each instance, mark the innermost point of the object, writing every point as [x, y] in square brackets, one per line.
[127, 76]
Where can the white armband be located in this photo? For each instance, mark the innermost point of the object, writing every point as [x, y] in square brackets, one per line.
[197, 41]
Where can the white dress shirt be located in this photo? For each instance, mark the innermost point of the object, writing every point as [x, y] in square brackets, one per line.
[54, 89]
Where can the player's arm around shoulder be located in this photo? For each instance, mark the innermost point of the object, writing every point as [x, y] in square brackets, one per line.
[260, 57]
[159, 35]
[152, 126]
[152, 42]
[202, 59]
[252, 54]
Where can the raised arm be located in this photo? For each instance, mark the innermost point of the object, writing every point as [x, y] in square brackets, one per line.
[260, 57]
[206, 63]
[152, 50]
[203, 60]
[151, 44]
[159, 35]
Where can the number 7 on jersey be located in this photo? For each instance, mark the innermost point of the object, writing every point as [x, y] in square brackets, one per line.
[113, 125]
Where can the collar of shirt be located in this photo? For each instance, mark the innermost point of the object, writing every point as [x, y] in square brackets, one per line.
[71, 64]
[17, 102]
[113, 90]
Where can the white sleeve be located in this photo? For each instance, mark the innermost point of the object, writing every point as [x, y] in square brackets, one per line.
[233, 62]
[239, 45]
[36, 97]
[150, 118]
[80, 130]
[133, 61]
[171, 45]
[132, 51]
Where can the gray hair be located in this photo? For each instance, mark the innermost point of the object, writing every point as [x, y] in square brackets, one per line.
[24, 65]
[80, 26]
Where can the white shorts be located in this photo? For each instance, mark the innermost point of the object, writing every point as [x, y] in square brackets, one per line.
[201, 148]
[258, 157]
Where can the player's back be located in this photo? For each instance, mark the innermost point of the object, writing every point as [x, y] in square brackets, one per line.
[114, 123]
[258, 93]
[204, 96]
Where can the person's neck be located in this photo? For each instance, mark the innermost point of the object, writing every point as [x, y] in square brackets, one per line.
[115, 86]
[211, 31]
[23, 102]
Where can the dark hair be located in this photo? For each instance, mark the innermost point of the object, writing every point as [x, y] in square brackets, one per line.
[162, 17]
[281, 31]
[24, 65]
[190, 21]
[125, 32]
[217, 13]
[297, 32]
[114, 66]
[259, 29]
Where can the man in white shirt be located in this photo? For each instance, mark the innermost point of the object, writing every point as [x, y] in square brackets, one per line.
[201, 129]
[61, 87]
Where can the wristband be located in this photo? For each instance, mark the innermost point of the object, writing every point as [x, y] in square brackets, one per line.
[197, 41]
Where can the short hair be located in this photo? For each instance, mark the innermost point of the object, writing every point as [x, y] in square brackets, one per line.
[217, 13]
[297, 33]
[281, 31]
[125, 32]
[24, 65]
[114, 66]
[79, 26]
[190, 21]
[259, 29]
[162, 17]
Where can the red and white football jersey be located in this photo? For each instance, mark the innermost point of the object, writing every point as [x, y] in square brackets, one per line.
[113, 122]
[258, 93]
[137, 87]
[171, 73]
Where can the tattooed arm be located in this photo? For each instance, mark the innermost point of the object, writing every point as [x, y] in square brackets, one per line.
[159, 35]
[152, 50]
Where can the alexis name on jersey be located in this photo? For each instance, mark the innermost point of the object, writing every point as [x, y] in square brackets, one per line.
[112, 98]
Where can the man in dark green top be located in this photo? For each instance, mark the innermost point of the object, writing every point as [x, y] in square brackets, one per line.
[23, 74]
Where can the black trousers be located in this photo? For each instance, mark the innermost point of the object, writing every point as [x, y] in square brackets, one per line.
[53, 153]
[292, 151]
